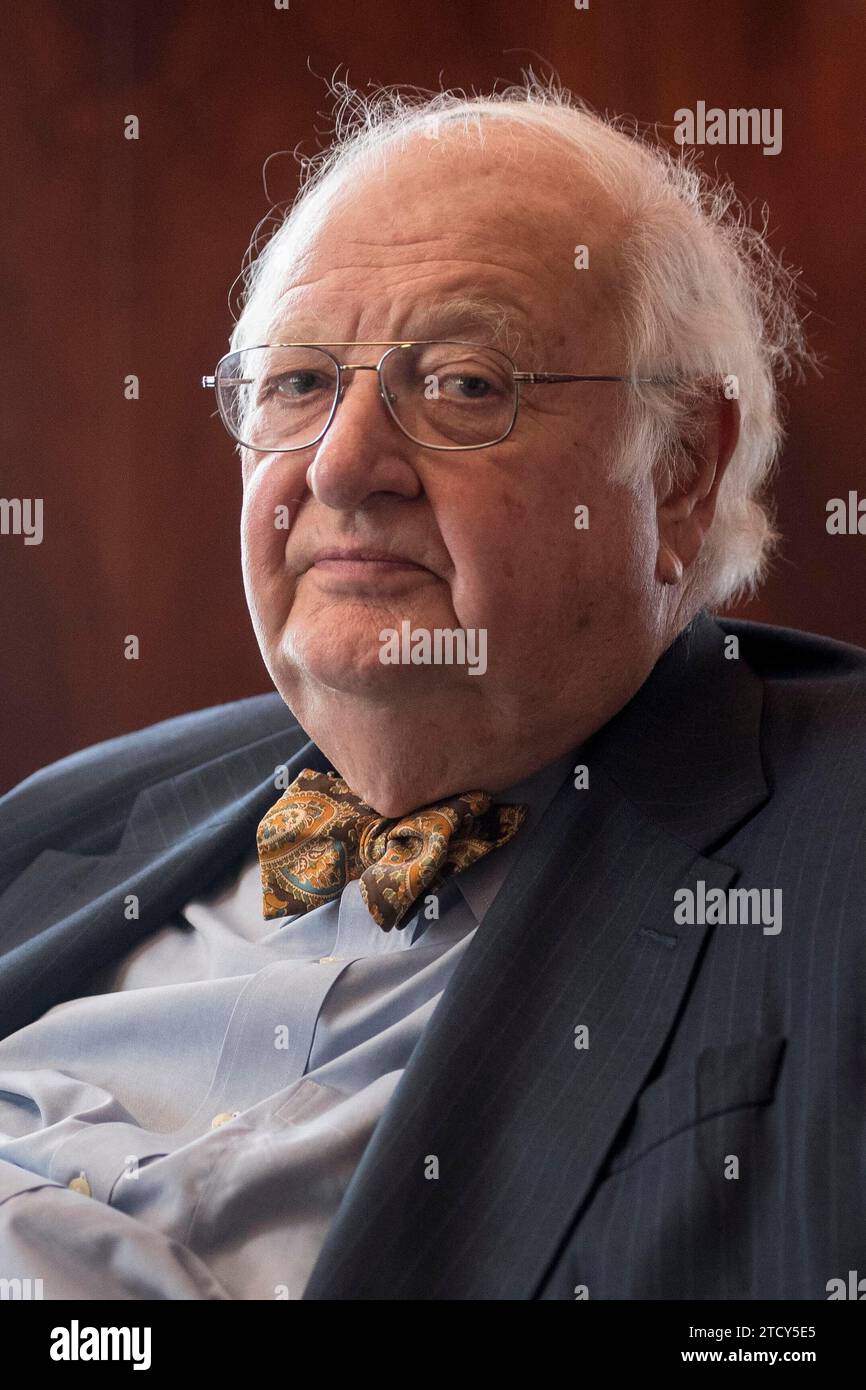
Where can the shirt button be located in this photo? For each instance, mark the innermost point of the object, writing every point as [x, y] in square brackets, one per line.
[80, 1184]
[223, 1118]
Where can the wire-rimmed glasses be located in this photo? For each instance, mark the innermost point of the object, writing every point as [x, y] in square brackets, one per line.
[442, 394]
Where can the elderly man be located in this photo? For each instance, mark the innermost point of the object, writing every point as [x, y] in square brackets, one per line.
[536, 971]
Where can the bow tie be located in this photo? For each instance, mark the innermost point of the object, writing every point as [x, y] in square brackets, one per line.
[320, 835]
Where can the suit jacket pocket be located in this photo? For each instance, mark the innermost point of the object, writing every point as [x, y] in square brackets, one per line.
[718, 1080]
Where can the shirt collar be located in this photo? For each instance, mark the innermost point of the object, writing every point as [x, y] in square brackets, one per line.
[481, 882]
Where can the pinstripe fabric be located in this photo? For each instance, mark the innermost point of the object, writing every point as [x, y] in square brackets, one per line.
[562, 1171]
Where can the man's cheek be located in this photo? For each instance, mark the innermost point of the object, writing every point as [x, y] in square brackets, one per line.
[269, 585]
[264, 541]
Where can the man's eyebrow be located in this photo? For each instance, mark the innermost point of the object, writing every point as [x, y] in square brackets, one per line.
[494, 320]
[464, 314]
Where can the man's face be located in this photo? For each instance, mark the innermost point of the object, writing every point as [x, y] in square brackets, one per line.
[487, 539]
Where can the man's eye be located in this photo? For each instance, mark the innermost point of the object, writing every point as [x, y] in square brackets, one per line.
[293, 385]
[466, 386]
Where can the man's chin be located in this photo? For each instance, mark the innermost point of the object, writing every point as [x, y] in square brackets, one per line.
[357, 649]
[339, 673]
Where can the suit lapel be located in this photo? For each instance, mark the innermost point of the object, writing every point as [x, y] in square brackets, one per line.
[68, 915]
[500, 1124]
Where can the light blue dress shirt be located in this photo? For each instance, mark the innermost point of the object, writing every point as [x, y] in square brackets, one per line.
[212, 1096]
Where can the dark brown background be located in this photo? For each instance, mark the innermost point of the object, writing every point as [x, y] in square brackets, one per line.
[120, 255]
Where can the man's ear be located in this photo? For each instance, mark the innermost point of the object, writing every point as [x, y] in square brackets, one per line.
[686, 513]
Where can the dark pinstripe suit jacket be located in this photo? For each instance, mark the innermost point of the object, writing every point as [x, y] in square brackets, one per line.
[710, 1141]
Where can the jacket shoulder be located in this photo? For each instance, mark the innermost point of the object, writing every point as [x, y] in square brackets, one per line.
[82, 799]
[788, 654]
[814, 700]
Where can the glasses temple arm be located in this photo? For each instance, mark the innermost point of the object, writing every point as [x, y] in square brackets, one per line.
[552, 378]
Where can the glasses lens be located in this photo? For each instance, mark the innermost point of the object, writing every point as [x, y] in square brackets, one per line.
[277, 397]
[450, 393]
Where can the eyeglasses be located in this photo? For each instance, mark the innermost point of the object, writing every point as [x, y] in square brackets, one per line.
[278, 397]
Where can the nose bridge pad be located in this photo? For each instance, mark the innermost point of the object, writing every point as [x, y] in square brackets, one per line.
[353, 367]
[387, 397]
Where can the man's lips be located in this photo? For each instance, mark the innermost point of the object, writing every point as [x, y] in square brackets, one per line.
[348, 561]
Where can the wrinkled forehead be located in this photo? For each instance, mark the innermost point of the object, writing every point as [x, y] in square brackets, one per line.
[447, 236]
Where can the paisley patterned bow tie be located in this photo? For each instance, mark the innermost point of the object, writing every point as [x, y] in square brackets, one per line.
[320, 835]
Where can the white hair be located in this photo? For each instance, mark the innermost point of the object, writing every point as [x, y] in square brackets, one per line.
[703, 296]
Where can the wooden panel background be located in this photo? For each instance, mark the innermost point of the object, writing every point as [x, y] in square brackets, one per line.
[119, 257]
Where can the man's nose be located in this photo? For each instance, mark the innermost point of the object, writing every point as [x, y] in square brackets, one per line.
[363, 451]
